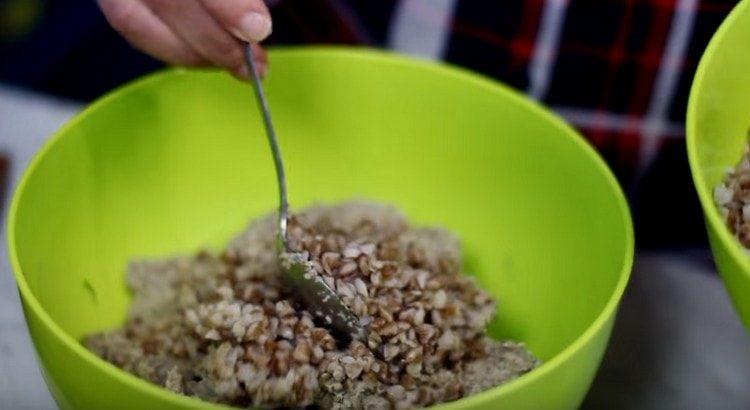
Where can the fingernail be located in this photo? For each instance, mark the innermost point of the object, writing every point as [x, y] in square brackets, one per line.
[254, 27]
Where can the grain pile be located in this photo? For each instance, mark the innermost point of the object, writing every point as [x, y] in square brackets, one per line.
[733, 198]
[221, 327]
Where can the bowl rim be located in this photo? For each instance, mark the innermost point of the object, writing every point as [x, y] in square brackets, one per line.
[705, 194]
[375, 56]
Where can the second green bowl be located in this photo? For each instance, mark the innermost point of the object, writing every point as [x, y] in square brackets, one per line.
[718, 124]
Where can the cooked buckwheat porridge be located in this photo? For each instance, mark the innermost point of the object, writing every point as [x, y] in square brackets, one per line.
[733, 198]
[222, 328]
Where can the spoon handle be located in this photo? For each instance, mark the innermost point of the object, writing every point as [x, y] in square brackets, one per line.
[272, 141]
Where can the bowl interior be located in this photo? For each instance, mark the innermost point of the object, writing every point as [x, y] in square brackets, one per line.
[178, 162]
[718, 125]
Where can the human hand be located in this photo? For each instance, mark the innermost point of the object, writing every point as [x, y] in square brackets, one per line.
[194, 32]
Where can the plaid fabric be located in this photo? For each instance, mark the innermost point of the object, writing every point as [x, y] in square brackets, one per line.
[619, 70]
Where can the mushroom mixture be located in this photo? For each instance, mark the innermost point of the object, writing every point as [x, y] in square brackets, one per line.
[222, 328]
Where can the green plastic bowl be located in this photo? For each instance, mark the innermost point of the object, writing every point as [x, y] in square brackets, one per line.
[178, 161]
[718, 121]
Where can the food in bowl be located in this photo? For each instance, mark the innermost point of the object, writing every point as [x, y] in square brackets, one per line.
[222, 328]
[733, 198]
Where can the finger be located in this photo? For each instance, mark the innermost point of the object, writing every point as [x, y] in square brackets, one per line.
[261, 59]
[191, 22]
[261, 64]
[146, 32]
[248, 20]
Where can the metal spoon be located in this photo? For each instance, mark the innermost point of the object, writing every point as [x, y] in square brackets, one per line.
[298, 273]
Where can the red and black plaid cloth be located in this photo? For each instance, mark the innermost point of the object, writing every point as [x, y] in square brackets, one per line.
[618, 70]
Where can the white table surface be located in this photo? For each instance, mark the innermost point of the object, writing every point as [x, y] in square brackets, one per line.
[677, 343]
